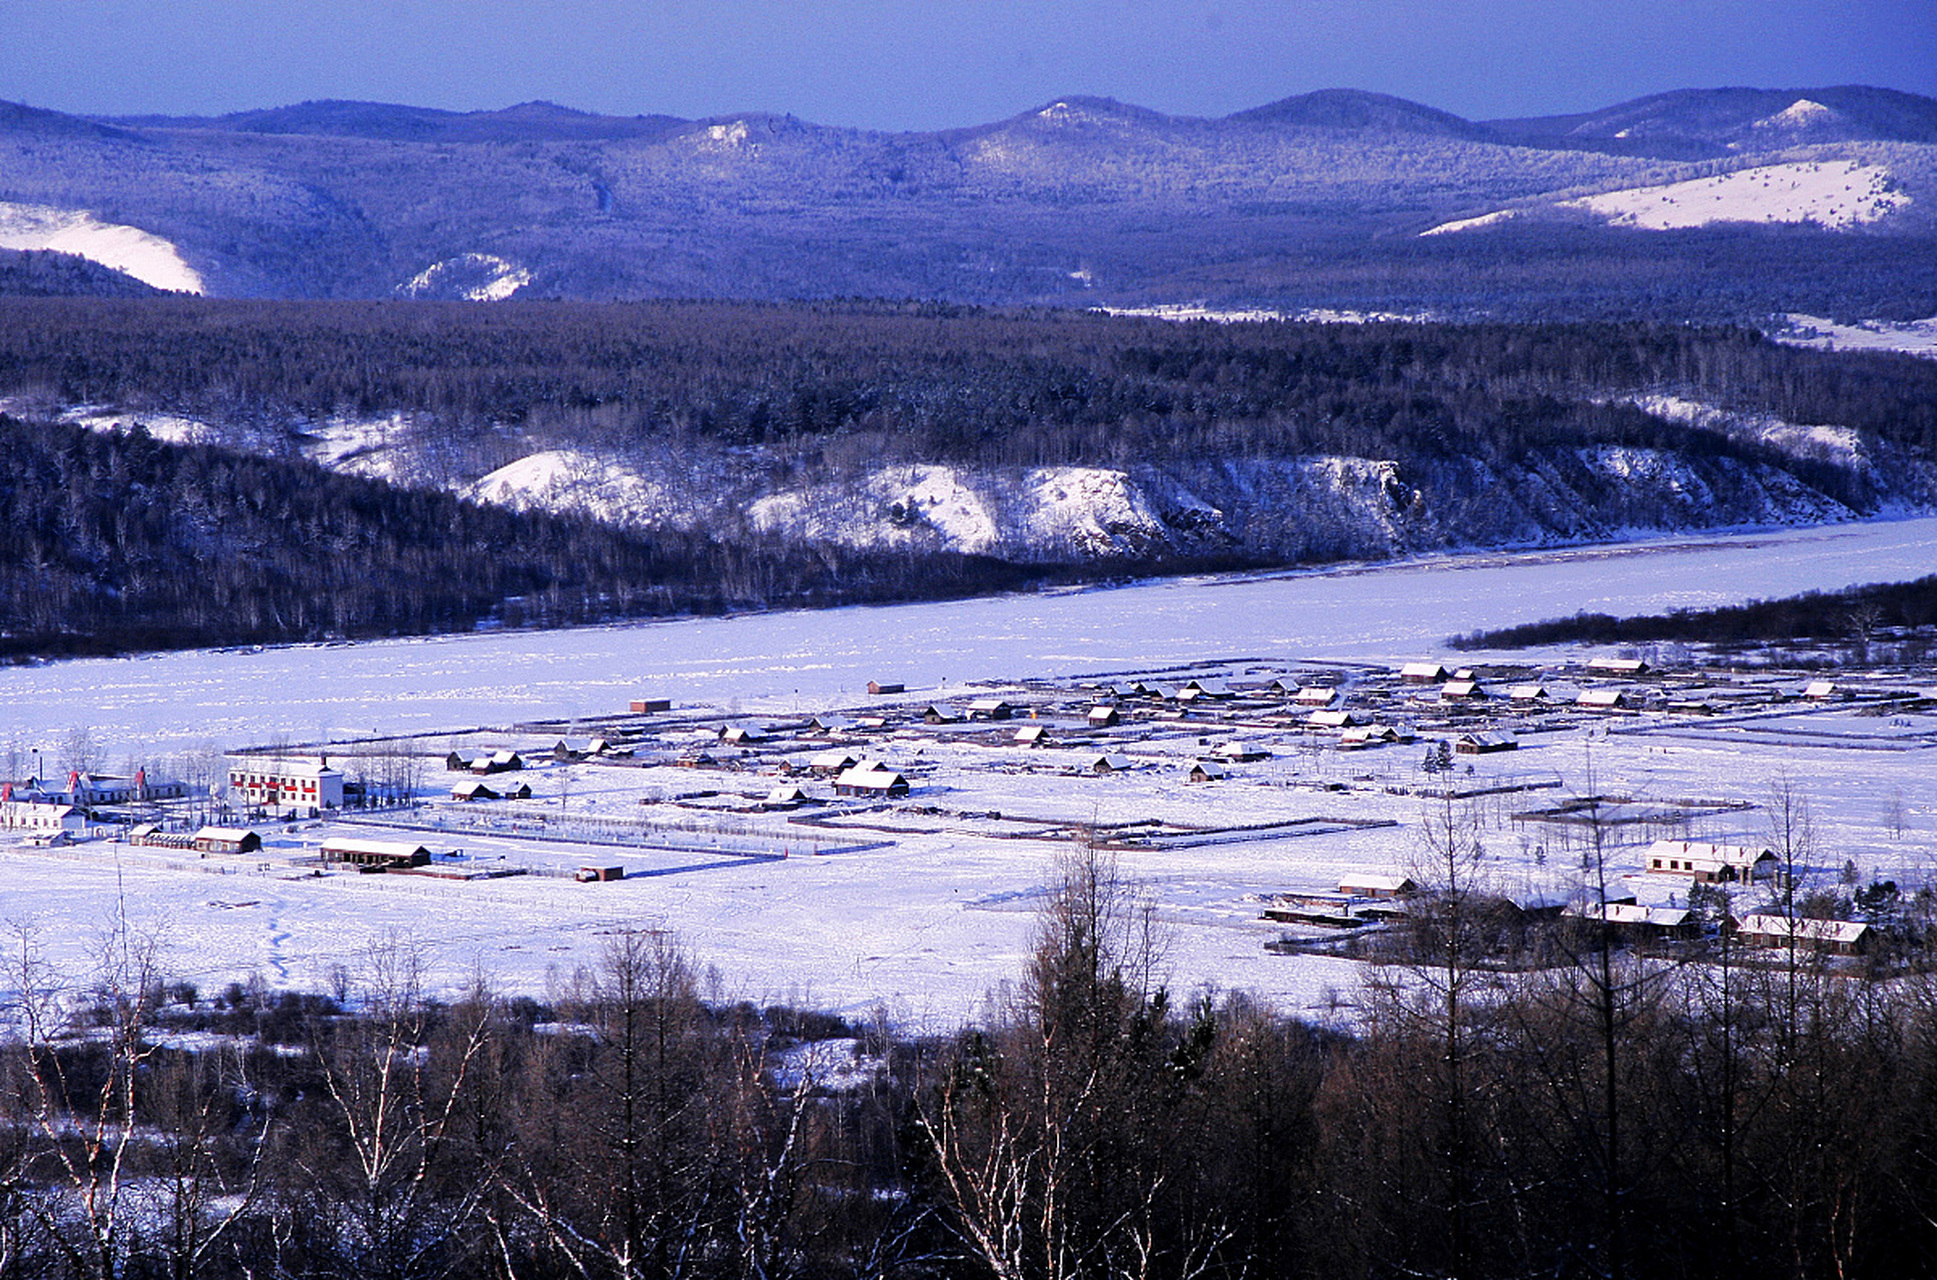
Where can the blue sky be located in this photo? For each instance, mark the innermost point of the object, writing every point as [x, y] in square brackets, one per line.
[921, 64]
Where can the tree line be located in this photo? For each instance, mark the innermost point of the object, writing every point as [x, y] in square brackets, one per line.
[1854, 614]
[1575, 1107]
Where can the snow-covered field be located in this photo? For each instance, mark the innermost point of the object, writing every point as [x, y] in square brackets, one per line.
[926, 927]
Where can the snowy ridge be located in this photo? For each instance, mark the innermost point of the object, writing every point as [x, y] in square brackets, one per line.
[129, 250]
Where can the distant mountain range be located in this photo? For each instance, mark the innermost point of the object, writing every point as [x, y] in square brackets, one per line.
[1711, 204]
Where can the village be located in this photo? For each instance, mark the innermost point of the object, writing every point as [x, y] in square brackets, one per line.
[1280, 804]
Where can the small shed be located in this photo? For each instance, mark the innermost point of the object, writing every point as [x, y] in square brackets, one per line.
[1032, 735]
[990, 709]
[1104, 716]
[1370, 885]
[1240, 750]
[1110, 763]
[789, 795]
[475, 789]
[878, 687]
[1529, 693]
[1822, 691]
[1315, 695]
[1208, 771]
[1338, 718]
[227, 840]
[938, 714]
[651, 706]
[595, 875]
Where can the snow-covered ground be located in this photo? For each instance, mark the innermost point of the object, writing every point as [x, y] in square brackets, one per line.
[1835, 194]
[1912, 337]
[926, 927]
[469, 277]
[141, 254]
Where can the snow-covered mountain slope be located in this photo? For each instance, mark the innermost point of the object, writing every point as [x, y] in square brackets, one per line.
[1837, 194]
[1834, 194]
[129, 250]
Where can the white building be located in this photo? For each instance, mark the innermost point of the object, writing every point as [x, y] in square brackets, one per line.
[42, 819]
[285, 782]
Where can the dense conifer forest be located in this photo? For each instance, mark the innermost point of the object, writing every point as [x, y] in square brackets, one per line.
[941, 381]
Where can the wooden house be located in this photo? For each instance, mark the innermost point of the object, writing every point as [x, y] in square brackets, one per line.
[1104, 716]
[597, 875]
[938, 714]
[1602, 699]
[1482, 744]
[832, 762]
[1618, 666]
[1240, 751]
[871, 780]
[1208, 771]
[1422, 673]
[375, 854]
[227, 840]
[990, 709]
[1467, 690]
[1315, 695]
[1031, 735]
[881, 687]
[1832, 937]
[1527, 693]
[1636, 922]
[651, 706]
[1109, 764]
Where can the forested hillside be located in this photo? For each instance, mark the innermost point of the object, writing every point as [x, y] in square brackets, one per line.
[112, 542]
[705, 456]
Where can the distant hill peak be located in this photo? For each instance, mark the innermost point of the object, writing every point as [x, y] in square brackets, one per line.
[1359, 111]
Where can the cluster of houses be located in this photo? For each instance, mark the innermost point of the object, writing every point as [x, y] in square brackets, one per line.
[1363, 899]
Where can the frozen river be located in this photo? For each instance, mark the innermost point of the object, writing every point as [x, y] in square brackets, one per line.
[768, 663]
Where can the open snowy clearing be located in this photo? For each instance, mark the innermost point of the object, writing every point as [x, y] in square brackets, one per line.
[939, 912]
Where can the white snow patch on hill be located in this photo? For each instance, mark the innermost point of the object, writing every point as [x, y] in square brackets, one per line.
[1803, 113]
[469, 277]
[1470, 224]
[1837, 194]
[130, 250]
[1822, 442]
[567, 480]
[1834, 194]
[1911, 337]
